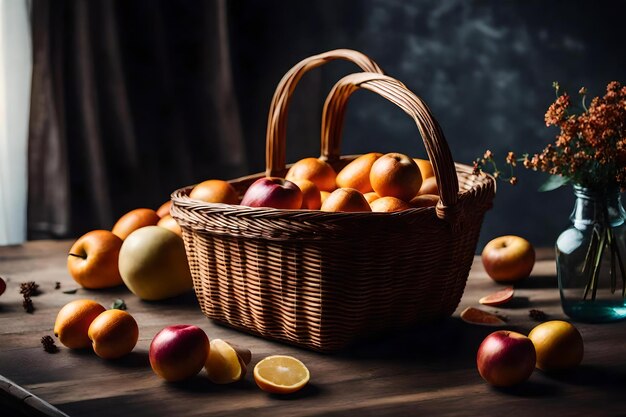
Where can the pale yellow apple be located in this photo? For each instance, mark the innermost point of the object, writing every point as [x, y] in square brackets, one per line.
[153, 264]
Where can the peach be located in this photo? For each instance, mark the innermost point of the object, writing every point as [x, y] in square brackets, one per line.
[313, 169]
[311, 197]
[113, 334]
[396, 175]
[357, 173]
[215, 191]
[133, 220]
[346, 200]
[389, 205]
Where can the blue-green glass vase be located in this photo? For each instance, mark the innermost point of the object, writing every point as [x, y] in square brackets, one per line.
[591, 257]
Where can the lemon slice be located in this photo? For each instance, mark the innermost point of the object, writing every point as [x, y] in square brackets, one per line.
[281, 374]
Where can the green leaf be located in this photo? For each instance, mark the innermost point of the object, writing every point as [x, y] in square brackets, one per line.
[118, 304]
[553, 182]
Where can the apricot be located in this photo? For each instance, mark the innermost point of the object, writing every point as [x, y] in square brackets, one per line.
[424, 200]
[426, 167]
[113, 334]
[170, 223]
[73, 320]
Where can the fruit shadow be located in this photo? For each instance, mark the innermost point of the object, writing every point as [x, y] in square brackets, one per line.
[537, 282]
[187, 300]
[201, 384]
[591, 376]
[516, 302]
[530, 389]
[134, 360]
[309, 391]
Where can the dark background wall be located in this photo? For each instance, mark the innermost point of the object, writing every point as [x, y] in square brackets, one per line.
[484, 67]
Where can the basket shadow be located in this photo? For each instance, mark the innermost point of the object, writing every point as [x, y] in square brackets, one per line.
[187, 300]
[450, 341]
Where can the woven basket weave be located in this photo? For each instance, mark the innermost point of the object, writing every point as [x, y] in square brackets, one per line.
[321, 280]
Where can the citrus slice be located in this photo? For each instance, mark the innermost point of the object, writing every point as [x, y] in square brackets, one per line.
[497, 298]
[281, 374]
[476, 316]
[223, 365]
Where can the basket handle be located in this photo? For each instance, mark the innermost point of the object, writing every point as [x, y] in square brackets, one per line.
[275, 155]
[432, 135]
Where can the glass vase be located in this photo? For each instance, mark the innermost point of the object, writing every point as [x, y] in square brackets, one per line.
[591, 257]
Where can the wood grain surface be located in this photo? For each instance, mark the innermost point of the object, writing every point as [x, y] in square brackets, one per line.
[427, 370]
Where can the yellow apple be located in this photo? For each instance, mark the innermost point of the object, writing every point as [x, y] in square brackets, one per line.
[153, 263]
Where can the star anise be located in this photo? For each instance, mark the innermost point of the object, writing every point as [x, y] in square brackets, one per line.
[28, 289]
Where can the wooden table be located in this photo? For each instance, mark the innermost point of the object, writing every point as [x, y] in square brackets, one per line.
[429, 370]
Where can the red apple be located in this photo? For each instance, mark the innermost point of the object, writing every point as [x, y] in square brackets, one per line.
[506, 358]
[508, 258]
[92, 260]
[179, 352]
[273, 192]
[3, 286]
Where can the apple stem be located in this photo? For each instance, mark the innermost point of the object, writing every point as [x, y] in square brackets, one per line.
[78, 256]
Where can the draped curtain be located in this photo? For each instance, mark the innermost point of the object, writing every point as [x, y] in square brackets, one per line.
[130, 100]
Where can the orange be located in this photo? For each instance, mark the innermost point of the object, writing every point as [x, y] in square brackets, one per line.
[396, 175]
[281, 374]
[311, 197]
[215, 191]
[558, 344]
[476, 316]
[323, 196]
[133, 220]
[371, 196]
[164, 209]
[389, 205]
[357, 173]
[429, 186]
[425, 167]
[424, 200]
[73, 321]
[498, 298]
[113, 334]
[170, 223]
[313, 169]
[346, 200]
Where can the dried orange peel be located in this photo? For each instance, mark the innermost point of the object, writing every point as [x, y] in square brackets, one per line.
[476, 316]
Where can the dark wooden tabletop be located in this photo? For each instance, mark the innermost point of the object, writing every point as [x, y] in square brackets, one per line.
[427, 370]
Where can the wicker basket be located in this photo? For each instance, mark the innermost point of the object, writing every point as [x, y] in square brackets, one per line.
[321, 280]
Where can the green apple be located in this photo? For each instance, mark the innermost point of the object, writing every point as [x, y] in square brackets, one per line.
[153, 264]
